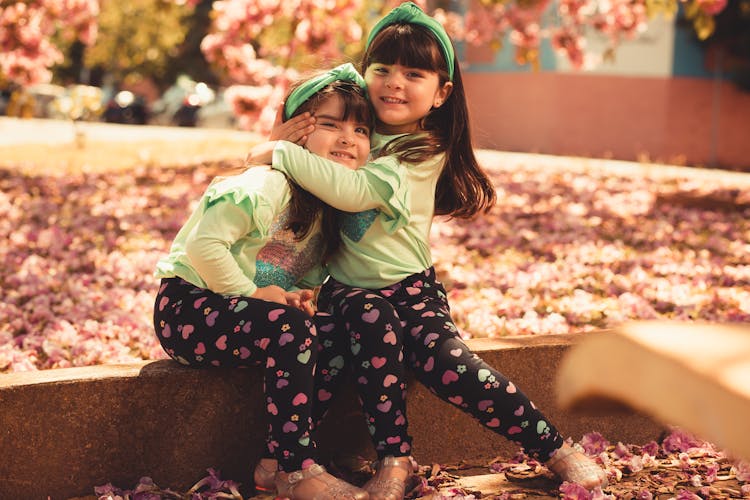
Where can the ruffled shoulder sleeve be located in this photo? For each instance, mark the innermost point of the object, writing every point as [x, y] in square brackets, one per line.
[260, 192]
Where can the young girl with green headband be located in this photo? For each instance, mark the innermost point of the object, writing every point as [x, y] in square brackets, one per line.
[383, 284]
[236, 284]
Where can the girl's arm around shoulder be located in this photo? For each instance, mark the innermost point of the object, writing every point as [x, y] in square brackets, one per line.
[381, 183]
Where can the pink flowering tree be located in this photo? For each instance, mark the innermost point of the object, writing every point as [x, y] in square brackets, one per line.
[260, 45]
[31, 32]
[525, 23]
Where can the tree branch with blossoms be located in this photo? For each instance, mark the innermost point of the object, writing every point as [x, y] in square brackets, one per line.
[29, 34]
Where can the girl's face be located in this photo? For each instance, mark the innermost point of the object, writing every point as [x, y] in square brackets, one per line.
[402, 96]
[344, 141]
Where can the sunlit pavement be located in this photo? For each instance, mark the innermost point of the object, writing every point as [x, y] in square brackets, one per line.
[15, 131]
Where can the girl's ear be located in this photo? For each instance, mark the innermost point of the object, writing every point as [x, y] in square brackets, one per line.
[442, 94]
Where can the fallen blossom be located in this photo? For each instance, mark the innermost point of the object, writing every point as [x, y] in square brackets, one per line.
[564, 251]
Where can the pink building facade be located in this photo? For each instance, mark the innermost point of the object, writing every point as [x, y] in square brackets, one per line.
[658, 102]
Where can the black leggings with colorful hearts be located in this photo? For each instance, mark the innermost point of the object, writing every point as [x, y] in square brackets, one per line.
[200, 328]
[408, 325]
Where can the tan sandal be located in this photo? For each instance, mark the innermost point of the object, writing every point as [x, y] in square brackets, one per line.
[573, 466]
[391, 475]
[264, 475]
[314, 483]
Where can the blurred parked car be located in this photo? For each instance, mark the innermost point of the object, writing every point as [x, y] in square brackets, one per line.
[33, 101]
[216, 114]
[181, 103]
[79, 102]
[126, 107]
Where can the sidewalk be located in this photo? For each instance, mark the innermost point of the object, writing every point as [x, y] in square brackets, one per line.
[16, 132]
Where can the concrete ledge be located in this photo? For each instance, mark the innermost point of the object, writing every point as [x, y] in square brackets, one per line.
[65, 431]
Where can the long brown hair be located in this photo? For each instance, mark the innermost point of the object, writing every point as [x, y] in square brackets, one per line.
[463, 188]
[304, 207]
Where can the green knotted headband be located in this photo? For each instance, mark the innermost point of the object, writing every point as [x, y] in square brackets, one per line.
[410, 13]
[345, 73]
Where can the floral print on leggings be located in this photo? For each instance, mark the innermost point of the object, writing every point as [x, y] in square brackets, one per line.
[411, 320]
[198, 327]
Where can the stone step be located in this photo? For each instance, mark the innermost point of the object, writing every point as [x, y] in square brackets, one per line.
[693, 375]
[66, 431]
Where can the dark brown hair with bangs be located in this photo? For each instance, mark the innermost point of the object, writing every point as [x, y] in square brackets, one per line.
[463, 188]
[304, 207]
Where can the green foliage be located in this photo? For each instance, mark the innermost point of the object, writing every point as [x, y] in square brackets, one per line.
[139, 37]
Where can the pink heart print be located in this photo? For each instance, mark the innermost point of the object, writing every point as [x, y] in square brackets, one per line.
[484, 404]
[389, 380]
[200, 349]
[272, 409]
[221, 343]
[187, 330]
[371, 316]
[299, 399]
[449, 376]
[377, 361]
[163, 303]
[274, 315]
[211, 318]
[285, 338]
[430, 337]
[385, 406]
[390, 338]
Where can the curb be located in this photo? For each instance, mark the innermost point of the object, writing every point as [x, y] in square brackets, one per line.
[68, 430]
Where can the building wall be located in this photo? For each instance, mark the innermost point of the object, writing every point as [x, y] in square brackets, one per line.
[656, 101]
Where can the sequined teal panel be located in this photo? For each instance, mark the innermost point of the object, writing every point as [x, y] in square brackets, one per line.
[355, 225]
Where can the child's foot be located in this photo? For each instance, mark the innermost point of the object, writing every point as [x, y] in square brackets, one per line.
[265, 474]
[573, 466]
[314, 483]
[389, 482]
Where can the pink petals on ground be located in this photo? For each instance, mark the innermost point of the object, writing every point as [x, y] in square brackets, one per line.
[573, 247]
[565, 250]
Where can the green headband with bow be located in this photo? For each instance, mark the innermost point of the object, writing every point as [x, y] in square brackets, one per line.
[410, 13]
[344, 73]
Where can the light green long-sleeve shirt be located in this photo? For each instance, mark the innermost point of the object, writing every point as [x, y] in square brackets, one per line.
[235, 241]
[388, 209]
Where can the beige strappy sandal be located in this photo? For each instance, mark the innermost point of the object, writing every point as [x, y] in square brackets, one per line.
[573, 466]
[264, 475]
[314, 483]
[389, 482]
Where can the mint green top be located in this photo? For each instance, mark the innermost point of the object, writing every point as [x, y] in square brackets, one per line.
[388, 211]
[235, 241]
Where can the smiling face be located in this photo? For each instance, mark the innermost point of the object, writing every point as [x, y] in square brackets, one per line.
[345, 141]
[402, 96]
